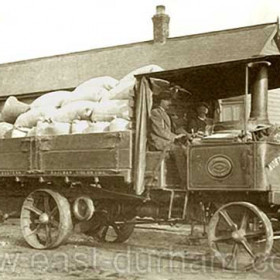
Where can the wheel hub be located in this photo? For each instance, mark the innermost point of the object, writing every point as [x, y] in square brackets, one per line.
[44, 218]
[238, 235]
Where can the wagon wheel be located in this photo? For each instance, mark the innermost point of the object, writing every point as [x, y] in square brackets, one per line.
[110, 231]
[240, 235]
[114, 232]
[45, 219]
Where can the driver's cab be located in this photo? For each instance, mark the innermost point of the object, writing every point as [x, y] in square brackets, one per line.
[189, 116]
[211, 85]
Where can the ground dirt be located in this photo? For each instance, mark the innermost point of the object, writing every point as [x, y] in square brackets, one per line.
[152, 252]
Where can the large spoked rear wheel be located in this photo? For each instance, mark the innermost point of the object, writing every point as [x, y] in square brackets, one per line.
[240, 235]
[110, 231]
[45, 219]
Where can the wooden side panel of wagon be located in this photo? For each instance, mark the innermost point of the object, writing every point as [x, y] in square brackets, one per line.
[86, 154]
[16, 156]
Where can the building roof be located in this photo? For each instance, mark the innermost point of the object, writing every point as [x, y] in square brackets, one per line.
[69, 70]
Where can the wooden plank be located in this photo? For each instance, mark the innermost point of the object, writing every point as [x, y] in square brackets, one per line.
[14, 154]
[86, 159]
[14, 161]
[89, 141]
[13, 144]
[125, 158]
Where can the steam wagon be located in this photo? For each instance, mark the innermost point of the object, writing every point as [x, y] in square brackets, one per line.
[106, 183]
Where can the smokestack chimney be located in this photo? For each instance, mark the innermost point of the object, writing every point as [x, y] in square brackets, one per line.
[161, 25]
[259, 90]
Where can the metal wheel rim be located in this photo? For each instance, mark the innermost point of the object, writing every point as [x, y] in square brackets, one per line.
[55, 231]
[268, 232]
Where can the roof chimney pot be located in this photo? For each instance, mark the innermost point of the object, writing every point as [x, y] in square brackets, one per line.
[160, 10]
[161, 25]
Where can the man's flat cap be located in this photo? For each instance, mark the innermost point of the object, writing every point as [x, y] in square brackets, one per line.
[164, 95]
[202, 104]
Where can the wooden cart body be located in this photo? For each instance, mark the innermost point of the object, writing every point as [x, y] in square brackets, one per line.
[80, 155]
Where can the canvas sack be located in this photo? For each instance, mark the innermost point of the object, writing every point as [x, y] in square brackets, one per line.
[30, 118]
[12, 109]
[54, 99]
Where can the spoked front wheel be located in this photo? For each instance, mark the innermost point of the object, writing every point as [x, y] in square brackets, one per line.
[240, 235]
[45, 219]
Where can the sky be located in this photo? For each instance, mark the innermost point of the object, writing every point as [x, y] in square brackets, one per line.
[39, 28]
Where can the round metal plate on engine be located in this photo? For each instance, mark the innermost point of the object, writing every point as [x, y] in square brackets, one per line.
[219, 166]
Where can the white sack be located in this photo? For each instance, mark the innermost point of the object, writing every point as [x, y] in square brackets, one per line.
[105, 82]
[31, 117]
[79, 126]
[52, 128]
[102, 117]
[145, 69]
[54, 99]
[108, 110]
[119, 124]
[19, 132]
[123, 90]
[4, 128]
[12, 109]
[32, 132]
[95, 95]
[88, 93]
[97, 127]
[79, 110]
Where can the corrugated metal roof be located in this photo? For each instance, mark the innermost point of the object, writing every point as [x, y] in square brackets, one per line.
[67, 71]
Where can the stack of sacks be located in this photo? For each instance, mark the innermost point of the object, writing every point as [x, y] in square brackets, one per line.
[25, 117]
[97, 105]
[117, 109]
[101, 104]
[95, 89]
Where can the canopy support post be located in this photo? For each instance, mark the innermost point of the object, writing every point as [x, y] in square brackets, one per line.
[246, 99]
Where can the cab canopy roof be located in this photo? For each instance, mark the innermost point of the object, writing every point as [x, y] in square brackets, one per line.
[218, 80]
